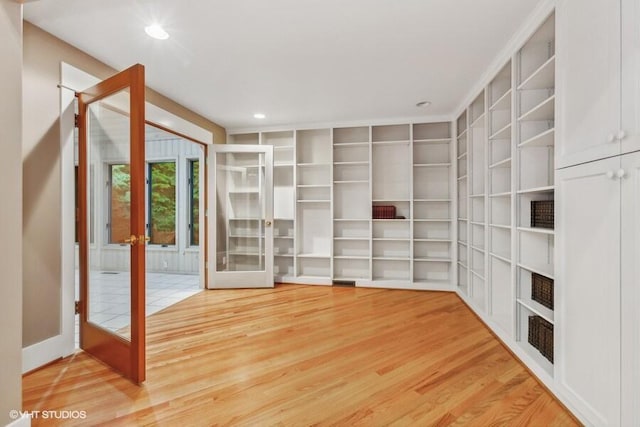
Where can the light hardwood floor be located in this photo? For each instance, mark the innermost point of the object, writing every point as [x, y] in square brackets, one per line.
[303, 355]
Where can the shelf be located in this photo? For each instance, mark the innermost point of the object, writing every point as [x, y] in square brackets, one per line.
[541, 112]
[350, 257]
[314, 201]
[546, 189]
[535, 269]
[543, 139]
[460, 242]
[352, 219]
[432, 165]
[505, 194]
[239, 236]
[401, 142]
[478, 274]
[283, 255]
[244, 192]
[283, 237]
[500, 257]
[391, 239]
[473, 196]
[480, 224]
[542, 78]
[433, 220]
[463, 219]
[463, 265]
[313, 165]
[463, 155]
[391, 220]
[283, 165]
[352, 239]
[352, 182]
[502, 103]
[378, 258]
[479, 122]
[536, 309]
[502, 133]
[548, 231]
[477, 249]
[433, 141]
[362, 163]
[504, 227]
[462, 177]
[314, 186]
[432, 259]
[432, 200]
[320, 256]
[461, 134]
[433, 240]
[251, 254]
[282, 148]
[506, 163]
[350, 144]
[390, 200]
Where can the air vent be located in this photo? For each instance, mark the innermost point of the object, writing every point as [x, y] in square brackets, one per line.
[345, 283]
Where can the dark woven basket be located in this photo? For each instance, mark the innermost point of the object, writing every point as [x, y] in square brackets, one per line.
[542, 213]
[542, 290]
[541, 336]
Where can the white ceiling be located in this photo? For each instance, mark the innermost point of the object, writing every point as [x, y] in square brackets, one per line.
[297, 61]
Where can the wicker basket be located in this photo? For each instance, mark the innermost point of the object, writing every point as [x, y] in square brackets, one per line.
[541, 336]
[542, 290]
[542, 213]
[384, 212]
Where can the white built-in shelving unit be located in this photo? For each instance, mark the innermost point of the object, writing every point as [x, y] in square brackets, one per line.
[325, 184]
[505, 153]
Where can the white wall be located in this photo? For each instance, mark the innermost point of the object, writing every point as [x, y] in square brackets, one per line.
[11, 210]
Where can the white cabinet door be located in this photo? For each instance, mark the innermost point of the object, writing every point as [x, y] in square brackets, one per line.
[631, 290]
[588, 289]
[630, 76]
[588, 80]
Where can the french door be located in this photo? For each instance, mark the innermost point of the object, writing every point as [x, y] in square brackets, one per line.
[112, 213]
[243, 209]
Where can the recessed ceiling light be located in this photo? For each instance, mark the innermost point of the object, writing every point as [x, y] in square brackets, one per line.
[156, 31]
[259, 116]
[423, 104]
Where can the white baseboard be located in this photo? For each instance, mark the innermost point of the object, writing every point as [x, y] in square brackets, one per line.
[44, 352]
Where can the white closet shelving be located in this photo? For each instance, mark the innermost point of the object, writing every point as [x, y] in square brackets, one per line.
[463, 202]
[432, 204]
[314, 179]
[351, 204]
[535, 111]
[326, 182]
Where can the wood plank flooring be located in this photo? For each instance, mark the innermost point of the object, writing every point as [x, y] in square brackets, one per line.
[307, 355]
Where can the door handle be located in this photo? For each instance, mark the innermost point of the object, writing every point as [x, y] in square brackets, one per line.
[132, 240]
[143, 239]
[267, 223]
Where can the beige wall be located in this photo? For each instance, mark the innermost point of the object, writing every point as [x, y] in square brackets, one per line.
[43, 54]
[11, 209]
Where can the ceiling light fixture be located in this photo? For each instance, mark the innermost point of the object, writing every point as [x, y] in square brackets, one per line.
[156, 31]
[259, 116]
[423, 104]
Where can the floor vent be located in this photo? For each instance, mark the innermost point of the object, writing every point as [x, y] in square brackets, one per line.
[347, 283]
[109, 272]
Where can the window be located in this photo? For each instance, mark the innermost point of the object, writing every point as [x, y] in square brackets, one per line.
[162, 203]
[194, 202]
[119, 203]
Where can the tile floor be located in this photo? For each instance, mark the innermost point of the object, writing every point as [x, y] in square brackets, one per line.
[109, 295]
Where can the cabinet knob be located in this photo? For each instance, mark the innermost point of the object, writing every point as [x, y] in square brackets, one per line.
[610, 174]
[610, 138]
[621, 173]
[621, 134]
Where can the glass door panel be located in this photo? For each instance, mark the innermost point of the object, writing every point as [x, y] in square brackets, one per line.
[244, 216]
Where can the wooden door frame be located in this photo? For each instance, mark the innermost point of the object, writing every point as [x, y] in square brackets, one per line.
[127, 357]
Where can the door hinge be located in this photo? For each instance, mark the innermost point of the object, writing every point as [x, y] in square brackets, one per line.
[77, 307]
[76, 120]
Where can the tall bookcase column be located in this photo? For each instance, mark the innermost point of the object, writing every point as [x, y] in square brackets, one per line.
[391, 195]
[284, 201]
[432, 205]
[477, 140]
[501, 201]
[314, 179]
[462, 182]
[535, 109]
[351, 205]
